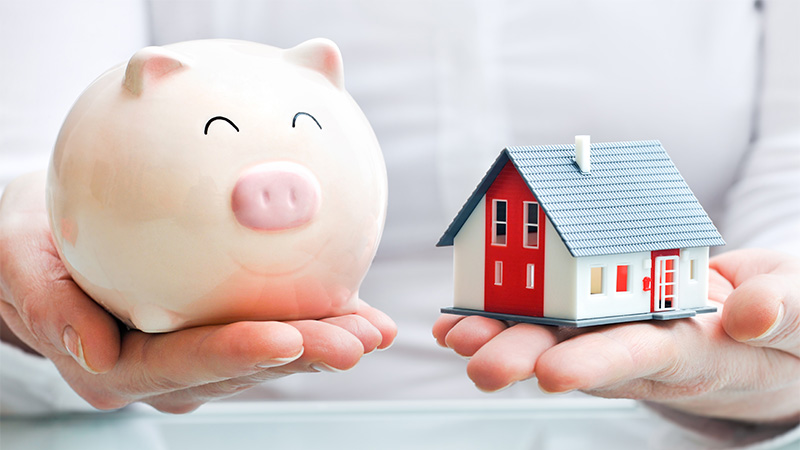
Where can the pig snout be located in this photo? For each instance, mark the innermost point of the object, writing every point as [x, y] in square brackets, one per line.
[276, 196]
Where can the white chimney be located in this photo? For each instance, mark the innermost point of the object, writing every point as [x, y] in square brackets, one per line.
[583, 154]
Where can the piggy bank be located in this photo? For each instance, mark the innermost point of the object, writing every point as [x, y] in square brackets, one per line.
[207, 182]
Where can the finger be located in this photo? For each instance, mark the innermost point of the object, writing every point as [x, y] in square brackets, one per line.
[327, 348]
[314, 359]
[152, 364]
[359, 327]
[443, 325]
[599, 359]
[381, 321]
[470, 334]
[764, 311]
[739, 266]
[764, 308]
[510, 357]
[88, 333]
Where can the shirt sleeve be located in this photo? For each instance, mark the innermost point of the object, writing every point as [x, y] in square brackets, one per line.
[707, 432]
[763, 206]
[31, 386]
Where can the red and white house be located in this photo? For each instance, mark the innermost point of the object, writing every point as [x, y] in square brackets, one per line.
[582, 235]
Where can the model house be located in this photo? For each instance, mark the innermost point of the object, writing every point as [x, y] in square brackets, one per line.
[580, 235]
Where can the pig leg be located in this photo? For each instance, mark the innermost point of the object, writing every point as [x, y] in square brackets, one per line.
[152, 318]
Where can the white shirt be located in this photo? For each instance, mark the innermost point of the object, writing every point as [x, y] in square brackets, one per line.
[448, 84]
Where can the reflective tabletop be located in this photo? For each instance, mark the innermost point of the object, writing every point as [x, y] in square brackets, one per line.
[459, 425]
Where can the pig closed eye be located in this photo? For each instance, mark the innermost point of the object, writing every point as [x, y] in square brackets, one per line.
[294, 120]
[208, 124]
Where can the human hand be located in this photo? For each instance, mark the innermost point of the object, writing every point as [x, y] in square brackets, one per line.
[175, 372]
[740, 363]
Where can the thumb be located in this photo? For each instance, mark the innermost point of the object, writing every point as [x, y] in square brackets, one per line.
[764, 311]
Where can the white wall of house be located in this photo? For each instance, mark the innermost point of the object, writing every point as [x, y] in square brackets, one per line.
[693, 277]
[469, 259]
[610, 302]
[559, 277]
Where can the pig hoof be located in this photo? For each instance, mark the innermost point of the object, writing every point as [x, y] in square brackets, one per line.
[154, 319]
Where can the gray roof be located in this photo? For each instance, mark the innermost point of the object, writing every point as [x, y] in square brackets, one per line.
[633, 200]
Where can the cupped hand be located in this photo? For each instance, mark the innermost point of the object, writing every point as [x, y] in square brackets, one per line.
[44, 311]
[740, 363]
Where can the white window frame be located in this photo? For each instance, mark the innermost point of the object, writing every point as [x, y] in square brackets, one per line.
[498, 273]
[525, 225]
[603, 283]
[496, 222]
[531, 280]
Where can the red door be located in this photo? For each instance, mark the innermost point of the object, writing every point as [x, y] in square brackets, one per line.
[514, 277]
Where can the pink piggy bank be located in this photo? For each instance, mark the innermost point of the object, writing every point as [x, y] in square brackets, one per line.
[207, 182]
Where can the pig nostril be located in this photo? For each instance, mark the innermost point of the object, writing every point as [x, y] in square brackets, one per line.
[292, 198]
[264, 197]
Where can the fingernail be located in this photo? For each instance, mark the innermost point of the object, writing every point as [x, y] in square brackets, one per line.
[72, 342]
[322, 367]
[772, 328]
[275, 362]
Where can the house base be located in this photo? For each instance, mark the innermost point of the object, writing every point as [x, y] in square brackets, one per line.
[661, 315]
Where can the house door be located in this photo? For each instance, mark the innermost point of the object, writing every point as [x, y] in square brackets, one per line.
[665, 283]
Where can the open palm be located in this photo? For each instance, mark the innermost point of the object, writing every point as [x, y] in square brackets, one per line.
[740, 363]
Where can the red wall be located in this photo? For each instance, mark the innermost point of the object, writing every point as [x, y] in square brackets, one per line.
[513, 297]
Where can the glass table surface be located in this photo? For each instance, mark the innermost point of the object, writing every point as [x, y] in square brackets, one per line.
[452, 424]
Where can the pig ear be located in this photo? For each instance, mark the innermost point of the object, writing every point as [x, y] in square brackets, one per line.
[321, 55]
[150, 64]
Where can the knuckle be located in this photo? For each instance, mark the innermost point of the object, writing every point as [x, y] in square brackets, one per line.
[227, 388]
[34, 315]
[158, 384]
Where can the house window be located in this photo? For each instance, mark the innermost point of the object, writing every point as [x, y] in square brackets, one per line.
[499, 222]
[597, 280]
[529, 284]
[622, 278]
[692, 270]
[498, 273]
[531, 231]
